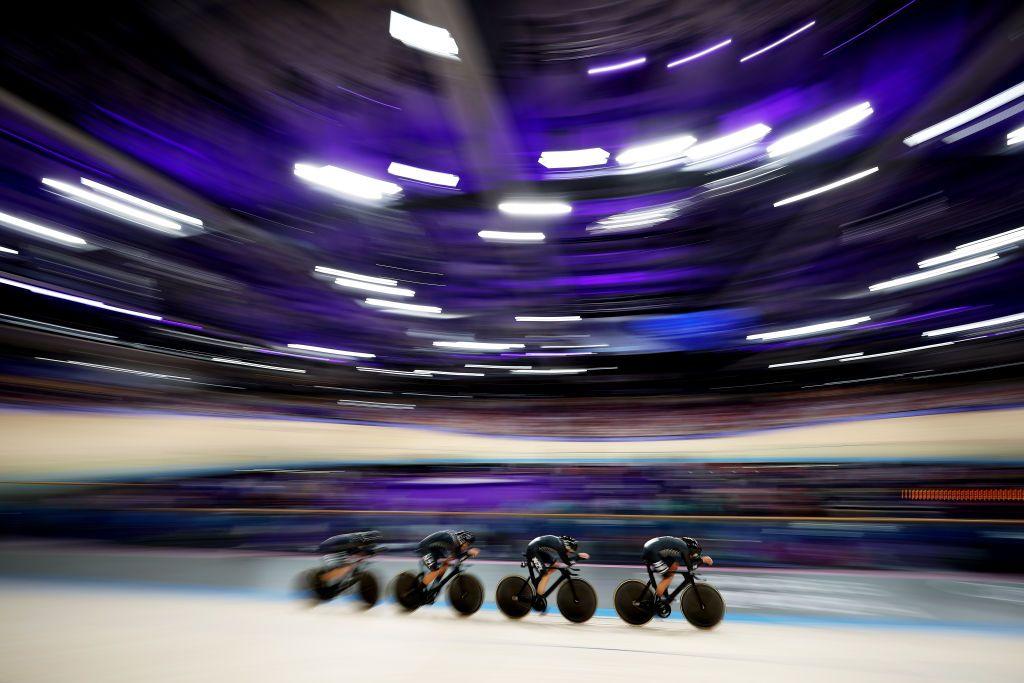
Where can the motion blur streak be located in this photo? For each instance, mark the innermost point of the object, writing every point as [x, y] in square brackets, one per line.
[809, 329]
[966, 116]
[825, 188]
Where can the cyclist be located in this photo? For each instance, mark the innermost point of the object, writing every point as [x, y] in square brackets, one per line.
[664, 554]
[343, 552]
[443, 548]
[545, 552]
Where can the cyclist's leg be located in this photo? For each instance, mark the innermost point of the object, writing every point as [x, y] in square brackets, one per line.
[338, 566]
[667, 574]
[545, 565]
[434, 569]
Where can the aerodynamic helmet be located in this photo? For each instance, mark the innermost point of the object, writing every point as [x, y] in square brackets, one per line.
[464, 537]
[570, 543]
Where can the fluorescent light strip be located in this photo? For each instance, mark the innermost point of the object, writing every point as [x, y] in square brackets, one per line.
[113, 368]
[573, 346]
[965, 116]
[986, 122]
[902, 350]
[401, 305]
[637, 218]
[141, 203]
[376, 404]
[816, 132]
[964, 372]
[384, 371]
[664, 151]
[347, 182]
[370, 287]
[478, 346]
[77, 299]
[815, 360]
[41, 230]
[865, 379]
[920, 276]
[535, 208]
[593, 71]
[358, 391]
[111, 206]
[5, 250]
[449, 372]
[728, 143]
[778, 42]
[893, 353]
[547, 318]
[500, 367]
[503, 236]
[574, 158]
[332, 352]
[993, 322]
[809, 329]
[423, 175]
[355, 276]
[51, 327]
[561, 353]
[825, 188]
[1015, 137]
[979, 246]
[422, 36]
[698, 55]
[233, 361]
[550, 371]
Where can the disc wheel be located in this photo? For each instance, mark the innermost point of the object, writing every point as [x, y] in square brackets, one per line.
[317, 588]
[514, 596]
[369, 589]
[711, 613]
[465, 594]
[634, 602]
[407, 591]
[581, 607]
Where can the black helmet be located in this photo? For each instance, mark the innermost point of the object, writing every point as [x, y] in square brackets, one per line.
[694, 544]
[464, 537]
[570, 543]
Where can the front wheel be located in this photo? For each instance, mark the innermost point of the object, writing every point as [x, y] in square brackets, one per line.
[577, 600]
[634, 602]
[369, 589]
[465, 594]
[702, 605]
[408, 591]
[514, 596]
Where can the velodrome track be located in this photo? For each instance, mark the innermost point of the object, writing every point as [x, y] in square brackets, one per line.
[129, 615]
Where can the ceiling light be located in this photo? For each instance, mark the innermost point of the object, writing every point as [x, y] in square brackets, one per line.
[825, 188]
[809, 329]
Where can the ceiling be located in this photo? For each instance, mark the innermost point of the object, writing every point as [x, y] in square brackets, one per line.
[206, 107]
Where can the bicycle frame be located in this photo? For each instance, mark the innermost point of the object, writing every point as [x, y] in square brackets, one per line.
[670, 596]
[437, 584]
[535, 577]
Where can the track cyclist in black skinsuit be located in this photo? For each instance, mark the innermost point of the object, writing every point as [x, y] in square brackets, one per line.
[544, 552]
[665, 553]
[442, 548]
[342, 553]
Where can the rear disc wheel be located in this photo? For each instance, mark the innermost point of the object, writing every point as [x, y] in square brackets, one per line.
[634, 602]
[317, 588]
[408, 592]
[514, 596]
